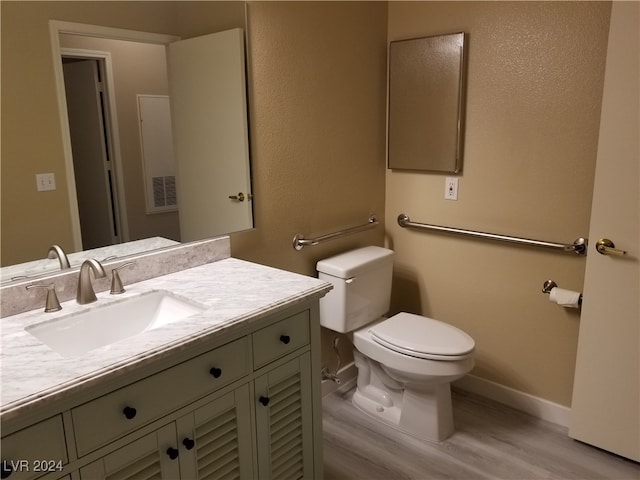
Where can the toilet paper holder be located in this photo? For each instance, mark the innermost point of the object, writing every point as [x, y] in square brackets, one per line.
[549, 285]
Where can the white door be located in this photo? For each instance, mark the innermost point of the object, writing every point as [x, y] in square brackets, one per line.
[210, 134]
[91, 163]
[605, 410]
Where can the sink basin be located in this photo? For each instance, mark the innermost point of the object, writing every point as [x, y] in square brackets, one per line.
[81, 332]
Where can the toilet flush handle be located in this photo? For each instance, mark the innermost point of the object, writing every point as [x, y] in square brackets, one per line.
[350, 280]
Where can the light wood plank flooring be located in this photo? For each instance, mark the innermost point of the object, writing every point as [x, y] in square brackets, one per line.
[492, 442]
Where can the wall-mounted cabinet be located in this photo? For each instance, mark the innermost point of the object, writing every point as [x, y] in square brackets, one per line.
[427, 81]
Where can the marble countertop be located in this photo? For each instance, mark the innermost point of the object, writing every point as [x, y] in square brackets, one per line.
[234, 291]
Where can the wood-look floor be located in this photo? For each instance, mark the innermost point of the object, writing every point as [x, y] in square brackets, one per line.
[491, 442]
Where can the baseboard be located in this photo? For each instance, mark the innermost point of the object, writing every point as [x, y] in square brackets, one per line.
[347, 376]
[538, 407]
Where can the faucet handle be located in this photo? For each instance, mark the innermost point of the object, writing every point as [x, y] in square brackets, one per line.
[51, 304]
[116, 283]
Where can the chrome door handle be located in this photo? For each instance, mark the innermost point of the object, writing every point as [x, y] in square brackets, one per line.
[604, 246]
[239, 197]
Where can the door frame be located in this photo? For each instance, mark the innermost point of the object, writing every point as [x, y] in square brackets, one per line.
[57, 27]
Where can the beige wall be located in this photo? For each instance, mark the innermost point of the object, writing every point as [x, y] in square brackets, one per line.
[317, 85]
[533, 108]
[31, 136]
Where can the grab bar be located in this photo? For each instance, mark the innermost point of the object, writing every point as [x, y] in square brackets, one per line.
[579, 246]
[299, 242]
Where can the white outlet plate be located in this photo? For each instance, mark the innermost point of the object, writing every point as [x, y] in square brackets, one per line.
[451, 188]
[45, 181]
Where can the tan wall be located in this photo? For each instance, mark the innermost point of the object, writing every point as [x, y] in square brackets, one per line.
[533, 109]
[131, 80]
[317, 95]
[31, 136]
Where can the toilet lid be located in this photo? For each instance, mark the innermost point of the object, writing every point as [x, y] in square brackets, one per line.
[422, 337]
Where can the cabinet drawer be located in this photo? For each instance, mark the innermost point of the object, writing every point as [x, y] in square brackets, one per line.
[109, 417]
[35, 450]
[276, 340]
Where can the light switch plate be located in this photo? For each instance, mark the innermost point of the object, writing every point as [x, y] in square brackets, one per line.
[45, 181]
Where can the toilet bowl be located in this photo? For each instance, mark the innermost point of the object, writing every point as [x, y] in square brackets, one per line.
[405, 363]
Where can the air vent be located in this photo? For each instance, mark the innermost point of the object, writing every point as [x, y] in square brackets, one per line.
[164, 191]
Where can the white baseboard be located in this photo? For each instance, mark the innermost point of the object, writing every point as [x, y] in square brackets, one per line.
[538, 407]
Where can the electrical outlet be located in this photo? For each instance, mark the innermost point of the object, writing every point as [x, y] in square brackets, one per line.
[45, 181]
[451, 188]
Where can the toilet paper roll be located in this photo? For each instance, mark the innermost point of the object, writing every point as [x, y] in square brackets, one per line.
[565, 298]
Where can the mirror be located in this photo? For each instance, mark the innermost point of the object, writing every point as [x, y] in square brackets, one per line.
[81, 41]
[426, 103]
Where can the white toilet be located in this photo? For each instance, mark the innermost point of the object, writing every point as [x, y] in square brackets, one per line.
[406, 362]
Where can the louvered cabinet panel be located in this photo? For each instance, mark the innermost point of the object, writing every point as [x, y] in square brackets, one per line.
[152, 457]
[215, 440]
[283, 420]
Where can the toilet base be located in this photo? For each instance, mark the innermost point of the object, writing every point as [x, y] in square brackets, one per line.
[426, 413]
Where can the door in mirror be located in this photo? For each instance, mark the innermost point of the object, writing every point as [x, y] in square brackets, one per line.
[210, 133]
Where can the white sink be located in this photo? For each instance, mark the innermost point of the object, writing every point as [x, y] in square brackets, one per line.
[81, 332]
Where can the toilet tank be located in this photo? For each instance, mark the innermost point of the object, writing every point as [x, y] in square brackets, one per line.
[361, 288]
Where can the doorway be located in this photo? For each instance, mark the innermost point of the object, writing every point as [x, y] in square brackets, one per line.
[90, 128]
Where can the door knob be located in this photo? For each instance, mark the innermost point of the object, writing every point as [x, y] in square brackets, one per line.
[604, 246]
[239, 197]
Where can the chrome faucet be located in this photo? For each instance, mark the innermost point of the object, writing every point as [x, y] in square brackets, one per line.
[56, 251]
[86, 294]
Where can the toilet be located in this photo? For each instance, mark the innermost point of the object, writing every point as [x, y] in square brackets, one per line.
[406, 362]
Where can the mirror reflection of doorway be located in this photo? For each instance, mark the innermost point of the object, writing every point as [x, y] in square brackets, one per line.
[90, 128]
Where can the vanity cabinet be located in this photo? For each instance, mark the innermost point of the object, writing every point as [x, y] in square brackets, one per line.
[244, 409]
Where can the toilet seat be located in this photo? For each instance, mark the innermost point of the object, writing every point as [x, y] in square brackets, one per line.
[422, 337]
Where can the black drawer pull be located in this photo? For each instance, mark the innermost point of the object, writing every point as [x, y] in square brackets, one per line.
[264, 400]
[129, 412]
[216, 372]
[5, 470]
[285, 339]
[188, 443]
[173, 453]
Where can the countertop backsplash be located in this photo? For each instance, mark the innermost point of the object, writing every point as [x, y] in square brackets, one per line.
[15, 299]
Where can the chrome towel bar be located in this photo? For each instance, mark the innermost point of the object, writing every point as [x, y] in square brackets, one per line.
[579, 246]
[299, 242]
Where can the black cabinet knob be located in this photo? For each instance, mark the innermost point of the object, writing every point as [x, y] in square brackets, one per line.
[285, 339]
[188, 443]
[173, 453]
[5, 469]
[216, 372]
[129, 412]
[264, 400]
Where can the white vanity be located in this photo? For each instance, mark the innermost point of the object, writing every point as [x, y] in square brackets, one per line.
[232, 391]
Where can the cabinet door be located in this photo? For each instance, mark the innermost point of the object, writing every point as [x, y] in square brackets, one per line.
[283, 420]
[153, 456]
[215, 440]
